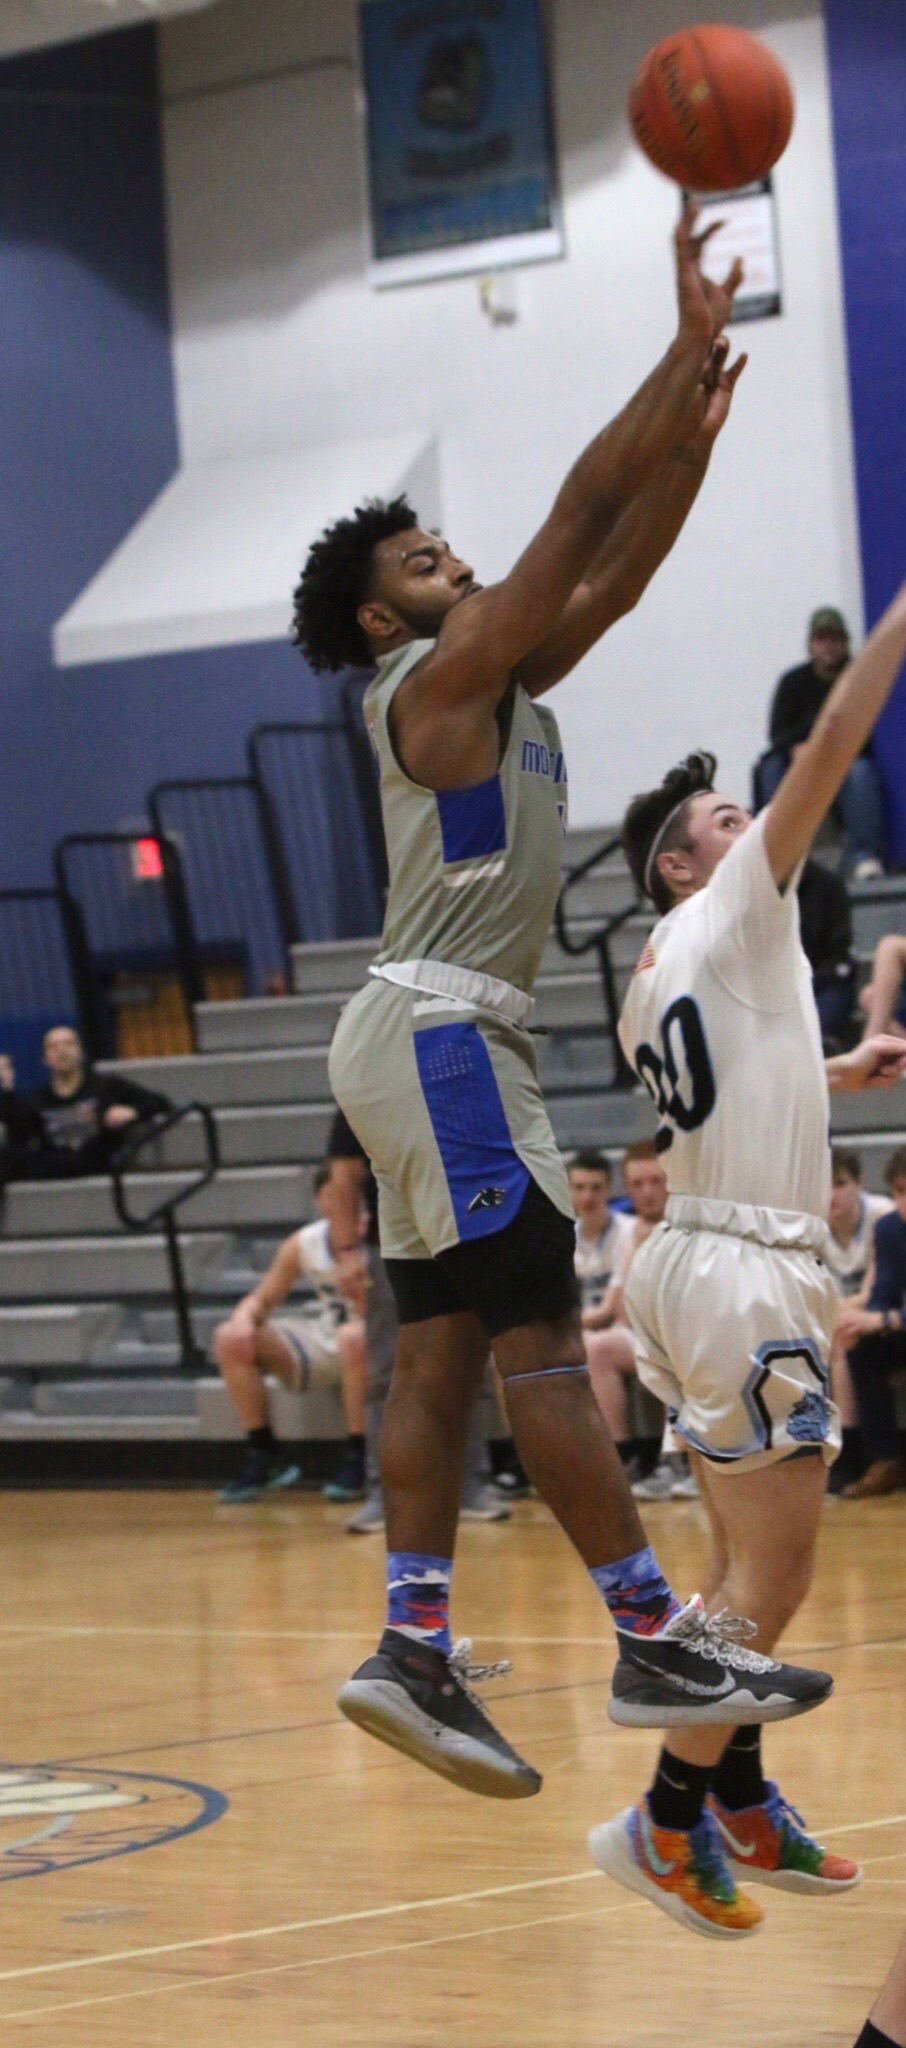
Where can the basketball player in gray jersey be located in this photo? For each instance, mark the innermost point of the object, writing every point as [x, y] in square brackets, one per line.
[433, 1064]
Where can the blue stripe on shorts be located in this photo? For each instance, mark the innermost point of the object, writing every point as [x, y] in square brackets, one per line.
[486, 1178]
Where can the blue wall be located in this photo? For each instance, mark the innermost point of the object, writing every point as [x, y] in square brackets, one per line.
[87, 439]
[867, 54]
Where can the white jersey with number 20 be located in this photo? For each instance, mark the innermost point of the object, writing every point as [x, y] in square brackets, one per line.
[720, 1024]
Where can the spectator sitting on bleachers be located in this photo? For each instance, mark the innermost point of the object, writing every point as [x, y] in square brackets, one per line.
[609, 1340]
[316, 1345]
[883, 998]
[852, 1218]
[75, 1124]
[798, 698]
[825, 924]
[874, 1334]
[602, 1236]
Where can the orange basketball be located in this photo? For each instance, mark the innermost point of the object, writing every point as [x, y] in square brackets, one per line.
[711, 107]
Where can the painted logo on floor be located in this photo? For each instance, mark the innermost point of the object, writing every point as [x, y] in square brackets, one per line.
[57, 1816]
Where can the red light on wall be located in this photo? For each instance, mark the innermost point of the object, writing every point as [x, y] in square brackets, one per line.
[147, 865]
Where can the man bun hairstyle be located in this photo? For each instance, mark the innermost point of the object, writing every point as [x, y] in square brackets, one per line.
[336, 580]
[646, 831]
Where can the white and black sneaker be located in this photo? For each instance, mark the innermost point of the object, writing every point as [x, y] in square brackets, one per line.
[419, 1700]
[697, 1670]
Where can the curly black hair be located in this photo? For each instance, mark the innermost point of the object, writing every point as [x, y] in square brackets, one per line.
[646, 816]
[334, 583]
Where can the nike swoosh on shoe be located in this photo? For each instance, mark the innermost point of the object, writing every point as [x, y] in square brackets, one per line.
[661, 1866]
[743, 1849]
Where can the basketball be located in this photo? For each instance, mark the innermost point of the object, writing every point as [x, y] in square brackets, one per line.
[711, 107]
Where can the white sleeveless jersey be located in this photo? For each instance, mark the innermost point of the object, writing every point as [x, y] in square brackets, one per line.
[849, 1263]
[720, 1024]
[318, 1266]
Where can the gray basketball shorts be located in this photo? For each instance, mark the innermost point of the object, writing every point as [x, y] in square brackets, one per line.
[447, 1104]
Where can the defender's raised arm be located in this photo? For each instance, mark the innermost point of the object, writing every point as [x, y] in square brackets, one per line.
[823, 762]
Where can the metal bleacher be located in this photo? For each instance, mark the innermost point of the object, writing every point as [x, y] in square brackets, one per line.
[89, 1344]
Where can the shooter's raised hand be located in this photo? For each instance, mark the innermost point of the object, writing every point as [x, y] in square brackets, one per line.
[704, 306]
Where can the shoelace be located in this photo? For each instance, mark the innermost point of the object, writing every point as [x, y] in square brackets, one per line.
[782, 1813]
[718, 1636]
[708, 1861]
[464, 1672]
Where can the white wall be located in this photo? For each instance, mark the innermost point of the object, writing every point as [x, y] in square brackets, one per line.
[279, 340]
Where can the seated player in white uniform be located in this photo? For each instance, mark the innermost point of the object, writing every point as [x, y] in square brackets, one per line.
[314, 1344]
[850, 1254]
[731, 1298]
[602, 1238]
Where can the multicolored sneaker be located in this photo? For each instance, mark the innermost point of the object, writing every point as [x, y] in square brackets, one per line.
[686, 1874]
[768, 1843]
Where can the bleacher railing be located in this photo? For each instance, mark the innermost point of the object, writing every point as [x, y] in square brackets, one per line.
[141, 926]
[316, 793]
[145, 967]
[43, 964]
[233, 885]
[162, 1215]
[598, 941]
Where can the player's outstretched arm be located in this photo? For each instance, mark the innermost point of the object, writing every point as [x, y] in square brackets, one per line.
[485, 637]
[810, 785]
[877, 1062]
[644, 534]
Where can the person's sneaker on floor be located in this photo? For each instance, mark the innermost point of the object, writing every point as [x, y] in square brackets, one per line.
[769, 1845]
[258, 1476]
[697, 1669]
[512, 1481]
[658, 1485]
[418, 1700]
[482, 1503]
[368, 1520]
[686, 1874]
[685, 1484]
[348, 1482]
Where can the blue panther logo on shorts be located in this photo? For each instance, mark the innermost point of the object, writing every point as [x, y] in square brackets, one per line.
[808, 1422]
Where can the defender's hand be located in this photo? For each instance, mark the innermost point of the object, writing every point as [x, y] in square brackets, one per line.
[878, 1062]
[703, 305]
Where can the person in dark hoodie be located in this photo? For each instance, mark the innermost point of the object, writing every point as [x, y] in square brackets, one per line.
[75, 1123]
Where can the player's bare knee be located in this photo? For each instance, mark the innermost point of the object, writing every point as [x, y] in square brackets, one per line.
[222, 1345]
[541, 1348]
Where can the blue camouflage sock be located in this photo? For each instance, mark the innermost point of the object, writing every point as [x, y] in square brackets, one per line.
[418, 1596]
[636, 1592]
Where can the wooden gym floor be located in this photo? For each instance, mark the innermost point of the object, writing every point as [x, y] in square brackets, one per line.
[198, 1847]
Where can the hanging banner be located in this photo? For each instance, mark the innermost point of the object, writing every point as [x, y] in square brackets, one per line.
[460, 152]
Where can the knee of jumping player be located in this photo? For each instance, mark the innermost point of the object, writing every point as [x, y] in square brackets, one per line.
[542, 1350]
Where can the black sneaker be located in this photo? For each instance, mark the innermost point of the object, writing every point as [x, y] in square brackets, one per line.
[418, 1700]
[348, 1482]
[697, 1670]
[512, 1481]
[259, 1475]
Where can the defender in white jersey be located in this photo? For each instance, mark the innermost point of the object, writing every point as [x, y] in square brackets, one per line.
[434, 1066]
[731, 1299]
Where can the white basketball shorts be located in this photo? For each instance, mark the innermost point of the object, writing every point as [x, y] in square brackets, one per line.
[312, 1339]
[733, 1311]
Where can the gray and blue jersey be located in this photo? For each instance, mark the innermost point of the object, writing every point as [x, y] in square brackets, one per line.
[441, 1086]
